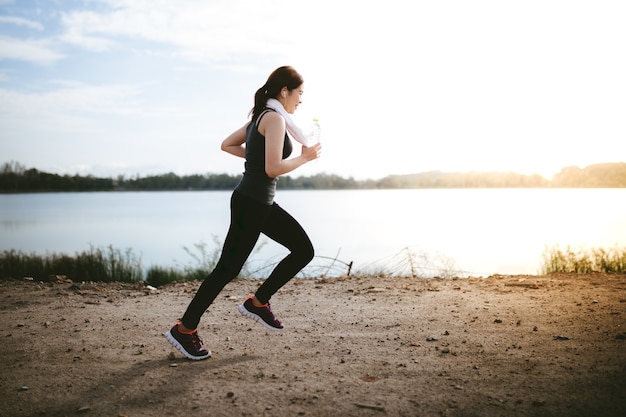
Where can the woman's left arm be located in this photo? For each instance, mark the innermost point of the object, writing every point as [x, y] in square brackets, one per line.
[273, 126]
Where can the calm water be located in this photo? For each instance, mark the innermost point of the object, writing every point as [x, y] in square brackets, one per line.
[470, 232]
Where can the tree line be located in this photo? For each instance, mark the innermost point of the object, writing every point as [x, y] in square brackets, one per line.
[16, 178]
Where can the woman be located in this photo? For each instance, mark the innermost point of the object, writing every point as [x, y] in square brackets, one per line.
[265, 144]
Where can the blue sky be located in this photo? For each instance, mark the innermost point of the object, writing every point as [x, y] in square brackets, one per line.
[110, 87]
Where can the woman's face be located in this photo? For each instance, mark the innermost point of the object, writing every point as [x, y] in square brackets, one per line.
[292, 99]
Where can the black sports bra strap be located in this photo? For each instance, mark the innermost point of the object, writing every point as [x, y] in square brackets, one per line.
[263, 113]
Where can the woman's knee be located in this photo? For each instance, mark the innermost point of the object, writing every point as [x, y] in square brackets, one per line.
[306, 253]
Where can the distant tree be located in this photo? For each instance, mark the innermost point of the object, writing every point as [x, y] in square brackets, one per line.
[608, 175]
[14, 178]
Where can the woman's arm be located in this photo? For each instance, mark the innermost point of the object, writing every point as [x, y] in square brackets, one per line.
[233, 144]
[272, 126]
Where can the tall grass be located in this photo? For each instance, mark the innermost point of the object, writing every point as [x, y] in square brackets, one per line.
[113, 265]
[583, 260]
[96, 264]
[204, 260]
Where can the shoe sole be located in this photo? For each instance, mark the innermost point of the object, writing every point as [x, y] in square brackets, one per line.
[182, 350]
[244, 311]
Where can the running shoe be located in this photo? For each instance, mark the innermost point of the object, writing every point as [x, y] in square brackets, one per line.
[262, 314]
[189, 344]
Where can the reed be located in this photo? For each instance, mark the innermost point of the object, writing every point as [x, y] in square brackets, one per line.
[113, 265]
[584, 260]
[158, 276]
[96, 264]
[204, 259]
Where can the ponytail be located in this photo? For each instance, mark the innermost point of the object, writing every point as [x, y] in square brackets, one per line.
[260, 99]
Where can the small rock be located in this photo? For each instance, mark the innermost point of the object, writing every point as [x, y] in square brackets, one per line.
[620, 336]
[497, 321]
[431, 339]
[561, 337]
[230, 394]
[83, 409]
[24, 388]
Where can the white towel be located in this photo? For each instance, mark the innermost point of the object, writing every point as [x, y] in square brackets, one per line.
[292, 130]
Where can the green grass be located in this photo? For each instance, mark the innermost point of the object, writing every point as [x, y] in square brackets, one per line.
[96, 264]
[112, 265]
[583, 260]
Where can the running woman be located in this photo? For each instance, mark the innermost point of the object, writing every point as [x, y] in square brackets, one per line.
[265, 144]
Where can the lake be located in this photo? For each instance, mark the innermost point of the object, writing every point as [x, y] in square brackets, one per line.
[463, 232]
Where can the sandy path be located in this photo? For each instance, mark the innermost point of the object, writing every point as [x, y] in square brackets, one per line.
[497, 346]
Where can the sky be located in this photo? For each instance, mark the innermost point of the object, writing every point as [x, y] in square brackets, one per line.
[143, 87]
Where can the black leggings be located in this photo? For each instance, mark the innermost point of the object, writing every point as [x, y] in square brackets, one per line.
[248, 219]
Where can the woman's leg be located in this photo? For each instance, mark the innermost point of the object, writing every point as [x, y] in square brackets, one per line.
[281, 227]
[247, 218]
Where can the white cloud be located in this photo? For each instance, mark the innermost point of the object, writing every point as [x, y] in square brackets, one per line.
[35, 51]
[89, 43]
[19, 21]
[203, 31]
[71, 107]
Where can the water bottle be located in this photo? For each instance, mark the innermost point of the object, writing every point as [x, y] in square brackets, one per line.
[316, 131]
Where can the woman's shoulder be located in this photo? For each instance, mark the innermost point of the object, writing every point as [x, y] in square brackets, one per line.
[271, 113]
[270, 118]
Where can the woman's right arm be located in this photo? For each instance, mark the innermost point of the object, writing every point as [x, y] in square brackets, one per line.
[273, 128]
[234, 143]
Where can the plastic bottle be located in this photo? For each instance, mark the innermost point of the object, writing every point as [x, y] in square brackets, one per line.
[316, 132]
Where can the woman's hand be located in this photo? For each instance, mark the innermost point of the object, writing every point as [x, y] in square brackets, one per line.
[312, 152]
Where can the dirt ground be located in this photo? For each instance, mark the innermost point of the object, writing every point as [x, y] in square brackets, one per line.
[497, 346]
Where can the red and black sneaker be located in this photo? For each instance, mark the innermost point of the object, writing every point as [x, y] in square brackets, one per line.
[261, 314]
[189, 344]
